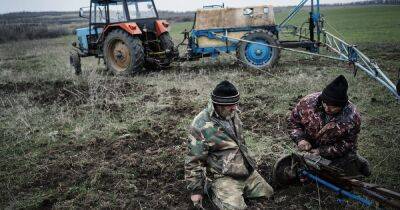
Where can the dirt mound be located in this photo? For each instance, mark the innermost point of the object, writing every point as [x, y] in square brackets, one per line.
[179, 103]
[270, 125]
[141, 167]
[63, 94]
[17, 87]
[144, 168]
[49, 92]
[104, 93]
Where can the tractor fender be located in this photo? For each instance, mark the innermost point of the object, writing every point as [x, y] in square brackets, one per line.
[130, 28]
[161, 27]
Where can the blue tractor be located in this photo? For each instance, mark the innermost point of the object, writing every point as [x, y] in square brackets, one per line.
[127, 34]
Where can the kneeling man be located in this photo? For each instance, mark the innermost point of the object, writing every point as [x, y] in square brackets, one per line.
[218, 162]
[327, 124]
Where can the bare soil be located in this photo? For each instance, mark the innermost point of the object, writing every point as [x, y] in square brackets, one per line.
[142, 166]
[142, 169]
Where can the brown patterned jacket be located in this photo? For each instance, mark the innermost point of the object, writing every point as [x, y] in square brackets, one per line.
[334, 136]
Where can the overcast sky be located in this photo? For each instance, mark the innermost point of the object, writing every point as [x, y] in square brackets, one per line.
[174, 5]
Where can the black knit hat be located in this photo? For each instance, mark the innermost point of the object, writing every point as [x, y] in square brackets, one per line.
[335, 93]
[225, 93]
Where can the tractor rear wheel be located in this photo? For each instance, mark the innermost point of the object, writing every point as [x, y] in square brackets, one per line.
[123, 53]
[258, 55]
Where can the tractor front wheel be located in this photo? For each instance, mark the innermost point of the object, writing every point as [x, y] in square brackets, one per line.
[123, 53]
[75, 61]
[263, 55]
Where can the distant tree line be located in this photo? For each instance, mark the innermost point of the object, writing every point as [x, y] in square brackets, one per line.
[176, 16]
[15, 32]
[25, 14]
[388, 2]
[36, 25]
[189, 16]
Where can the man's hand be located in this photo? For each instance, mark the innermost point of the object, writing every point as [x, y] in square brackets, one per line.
[304, 145]
[197, 200]
[314, 151]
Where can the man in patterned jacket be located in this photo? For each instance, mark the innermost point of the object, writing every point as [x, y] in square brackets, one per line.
[218, 163]
[327, 124]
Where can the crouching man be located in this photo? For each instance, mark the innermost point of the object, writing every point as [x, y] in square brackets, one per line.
[327, 124]
[218, 163]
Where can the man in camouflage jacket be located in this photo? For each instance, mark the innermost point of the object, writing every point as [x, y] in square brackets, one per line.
[327, 124]
[218, 162]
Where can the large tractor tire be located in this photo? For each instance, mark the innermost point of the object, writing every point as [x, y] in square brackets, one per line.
[123, 53]
[258, 55]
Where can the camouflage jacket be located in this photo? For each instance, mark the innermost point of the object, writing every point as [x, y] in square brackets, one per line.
[334, 136]
[216, 148]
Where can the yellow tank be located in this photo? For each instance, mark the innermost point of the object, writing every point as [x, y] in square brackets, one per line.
[221, 18]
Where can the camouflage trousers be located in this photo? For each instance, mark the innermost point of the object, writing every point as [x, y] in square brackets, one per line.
[352, 164]
[229, 193]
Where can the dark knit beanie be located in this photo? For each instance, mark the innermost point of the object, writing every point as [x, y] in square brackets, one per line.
[335, 93]
[225, 93]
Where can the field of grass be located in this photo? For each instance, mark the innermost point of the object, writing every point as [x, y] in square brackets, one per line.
[358, 24]
[37, 25]
[98, 141]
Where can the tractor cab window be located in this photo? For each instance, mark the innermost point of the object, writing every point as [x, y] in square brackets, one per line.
[266, 10]
[117, 13]
[99, 14]
[141, 9]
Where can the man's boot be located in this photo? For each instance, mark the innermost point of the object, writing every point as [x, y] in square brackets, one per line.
[364, 166]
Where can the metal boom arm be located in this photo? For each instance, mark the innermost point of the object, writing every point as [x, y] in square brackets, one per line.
[345, 51]
[355, 56]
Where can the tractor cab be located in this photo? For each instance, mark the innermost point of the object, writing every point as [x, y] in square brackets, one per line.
[132, 19]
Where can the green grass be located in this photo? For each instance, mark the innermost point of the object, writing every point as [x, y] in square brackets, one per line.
[357, 24]
[98, 141]
[178, 28]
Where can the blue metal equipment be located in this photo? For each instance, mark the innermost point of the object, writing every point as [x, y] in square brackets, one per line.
[290, 169]
[336, 189]
[262, 49]
[212, 32]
